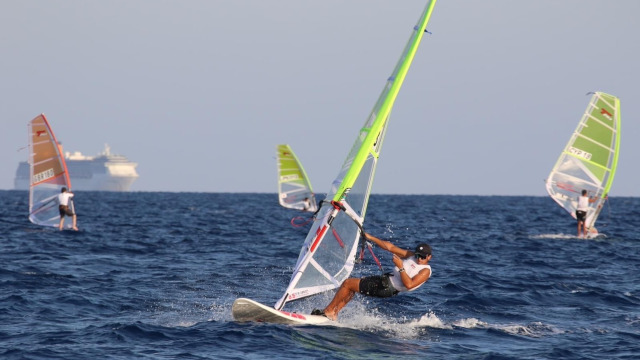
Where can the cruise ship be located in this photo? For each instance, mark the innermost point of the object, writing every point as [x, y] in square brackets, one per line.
[103, 172]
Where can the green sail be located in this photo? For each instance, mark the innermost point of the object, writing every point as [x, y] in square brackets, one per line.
[293, 183]
[329, 252]
[590, 158]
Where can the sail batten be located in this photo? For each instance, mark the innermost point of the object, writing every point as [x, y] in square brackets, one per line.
[332, 253]
[601, 123]
[590, 162]
[595, 142]
[590, 158]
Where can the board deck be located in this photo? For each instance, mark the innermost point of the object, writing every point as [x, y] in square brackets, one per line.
[248, 310]
[596, 236]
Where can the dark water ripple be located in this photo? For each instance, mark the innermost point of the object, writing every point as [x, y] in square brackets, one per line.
[153, 275]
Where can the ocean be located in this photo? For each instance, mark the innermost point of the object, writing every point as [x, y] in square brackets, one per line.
[153, 275]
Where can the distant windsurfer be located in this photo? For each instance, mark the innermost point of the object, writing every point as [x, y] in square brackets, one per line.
[306, 204]
[581, 212]
[63, 207]
[411, 270]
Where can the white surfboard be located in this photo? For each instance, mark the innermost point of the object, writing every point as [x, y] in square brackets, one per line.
[248, 310]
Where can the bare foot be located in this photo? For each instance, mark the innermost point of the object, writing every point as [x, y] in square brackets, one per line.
[75, 228]
[333, 317]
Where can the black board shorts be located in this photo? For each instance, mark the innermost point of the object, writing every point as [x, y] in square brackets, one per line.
[378, 286]
[581, 216]
[64, 210]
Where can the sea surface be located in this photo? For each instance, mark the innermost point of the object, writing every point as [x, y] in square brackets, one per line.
[153, 275]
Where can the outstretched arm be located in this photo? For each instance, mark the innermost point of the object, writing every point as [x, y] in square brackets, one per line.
[386, 245]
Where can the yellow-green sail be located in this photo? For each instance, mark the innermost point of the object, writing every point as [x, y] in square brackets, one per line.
[329, 251]
[589, 160]
[294, 187]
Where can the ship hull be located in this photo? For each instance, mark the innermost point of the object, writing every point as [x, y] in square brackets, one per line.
[89, 175]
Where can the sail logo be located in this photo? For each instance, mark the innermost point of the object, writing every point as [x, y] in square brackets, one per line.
[291, 177]
[40, 132]
[43, 176]
[579, 153]
[297, 294]
[606, 114]
[293, 315]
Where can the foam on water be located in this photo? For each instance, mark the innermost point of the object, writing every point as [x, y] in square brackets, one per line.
[154, 275]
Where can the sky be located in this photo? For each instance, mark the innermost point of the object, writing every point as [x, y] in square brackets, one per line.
[200, 92]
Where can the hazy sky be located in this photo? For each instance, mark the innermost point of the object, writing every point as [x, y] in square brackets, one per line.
[199, 93]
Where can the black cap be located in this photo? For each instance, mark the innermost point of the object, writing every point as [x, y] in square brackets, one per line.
[423, 249]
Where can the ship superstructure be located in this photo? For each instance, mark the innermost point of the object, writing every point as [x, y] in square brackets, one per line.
[103, 172]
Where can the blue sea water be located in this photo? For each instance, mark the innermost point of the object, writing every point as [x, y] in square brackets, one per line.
[154, 275]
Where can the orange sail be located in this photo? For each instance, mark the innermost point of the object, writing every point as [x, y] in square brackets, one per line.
[48, 174]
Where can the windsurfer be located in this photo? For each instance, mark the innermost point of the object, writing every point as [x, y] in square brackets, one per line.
[411, 270]
[63, 200]
[581, 212]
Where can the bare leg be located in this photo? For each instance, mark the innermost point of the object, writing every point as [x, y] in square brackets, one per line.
[346, 292]
[579, 227]
[75, 219]
[61, 223]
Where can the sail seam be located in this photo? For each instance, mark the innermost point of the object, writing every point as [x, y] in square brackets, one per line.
[599, 122]
[588, 161]
[577, 179]
[609, 149]
[324, 272]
